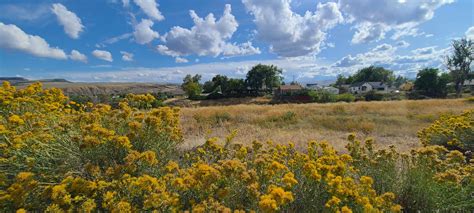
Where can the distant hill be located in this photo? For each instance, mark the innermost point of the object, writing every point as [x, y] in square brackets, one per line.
[99, 88]
[13, 80]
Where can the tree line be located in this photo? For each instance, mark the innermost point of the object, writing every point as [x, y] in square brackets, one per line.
[263, 79]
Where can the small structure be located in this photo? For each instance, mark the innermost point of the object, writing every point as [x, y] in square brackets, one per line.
[364, 87]
[291, 94]
[313, 86]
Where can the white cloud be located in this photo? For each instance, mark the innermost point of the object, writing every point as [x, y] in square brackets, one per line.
[126, 56]
[208, 37]
[376, 17]
[77, 56]
[403, 44]
[367, 32]
[12, 37]
[288, 33]
[470, 33]
[69, 20]
[150, 8]
[118, 38]
[25, 12]
[381, 54]
[126, 3]
[385, 55]
[143, 33]
[181, 60]
[103, 55]
[304, 68]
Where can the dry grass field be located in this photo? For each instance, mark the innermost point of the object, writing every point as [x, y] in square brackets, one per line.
[388, 122]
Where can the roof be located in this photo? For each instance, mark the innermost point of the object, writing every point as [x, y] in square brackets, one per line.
[374, 84]
[357, 84]
[377, 84]
[290, 87]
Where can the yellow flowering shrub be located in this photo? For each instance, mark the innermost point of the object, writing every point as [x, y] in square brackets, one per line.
[454, 132]
[60, 156]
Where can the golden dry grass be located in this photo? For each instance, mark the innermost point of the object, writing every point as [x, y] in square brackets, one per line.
[388, 122]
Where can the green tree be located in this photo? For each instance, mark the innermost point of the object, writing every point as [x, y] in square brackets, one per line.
[399, 81]
[374, 73]
[459, 63]
[341, 79]
[430, 83]
[264, 78]
[191, 86]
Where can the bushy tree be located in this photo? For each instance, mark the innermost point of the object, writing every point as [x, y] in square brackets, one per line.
[191, 85]
[341, 80]
[459, 63]
[374, 73]
[431, 83]
[225, 87]
[264, 78]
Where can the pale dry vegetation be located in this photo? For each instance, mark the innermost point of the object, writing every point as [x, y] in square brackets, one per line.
[389, 122]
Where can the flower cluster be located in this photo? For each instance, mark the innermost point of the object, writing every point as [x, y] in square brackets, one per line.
[455, 132]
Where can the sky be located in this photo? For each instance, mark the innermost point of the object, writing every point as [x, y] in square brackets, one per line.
[163, 40]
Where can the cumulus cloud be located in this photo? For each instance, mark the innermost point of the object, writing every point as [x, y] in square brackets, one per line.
[385, 55]
[126, 56]
[374, 18]
[470, 33]
[143, 33]
[366, 32]
[208, 37]
[103, 55]
[378, 55]
[77, 56]
[69, 20]
[150, 8]
[181, 60]
[12, 37]
[288, 33]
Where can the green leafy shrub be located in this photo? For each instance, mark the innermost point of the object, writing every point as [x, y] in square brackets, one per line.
[346, 97]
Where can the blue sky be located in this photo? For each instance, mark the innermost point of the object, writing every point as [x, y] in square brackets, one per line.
[163, 40]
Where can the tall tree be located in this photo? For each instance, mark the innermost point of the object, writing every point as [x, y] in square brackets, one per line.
[459, 63]
[374, 73]
[191, 85]
[430, 83]
[264, 78]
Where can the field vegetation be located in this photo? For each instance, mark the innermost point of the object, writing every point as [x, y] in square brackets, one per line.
[61, 156]
[388, 122]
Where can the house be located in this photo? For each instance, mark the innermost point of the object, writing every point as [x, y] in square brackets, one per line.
[317, 87]
[364, 87]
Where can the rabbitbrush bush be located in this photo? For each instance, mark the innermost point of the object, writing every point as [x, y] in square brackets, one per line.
[59, 156]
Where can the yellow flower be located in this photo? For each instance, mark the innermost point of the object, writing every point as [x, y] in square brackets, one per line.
[172, 166]
[15, 119]
[346, 209]
[366, 180]
[333, 202]
[123, 141]
[289, 180]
